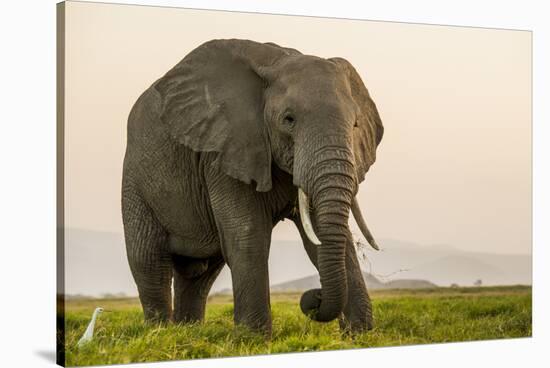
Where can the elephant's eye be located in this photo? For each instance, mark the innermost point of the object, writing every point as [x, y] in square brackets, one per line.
[355, 125]
[289, 119]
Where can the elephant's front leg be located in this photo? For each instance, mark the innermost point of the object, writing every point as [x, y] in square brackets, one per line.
[245, 231]
[250, 285]
[357, 316]
[358, 311]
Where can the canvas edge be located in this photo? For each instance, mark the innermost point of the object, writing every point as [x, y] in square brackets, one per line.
[60, 181]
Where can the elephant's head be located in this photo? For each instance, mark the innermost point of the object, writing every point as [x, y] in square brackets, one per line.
[258, 104]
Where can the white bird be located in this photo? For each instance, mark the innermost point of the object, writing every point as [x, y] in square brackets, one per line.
[89, 333]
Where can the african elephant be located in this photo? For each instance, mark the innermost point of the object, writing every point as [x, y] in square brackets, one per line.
[236, 137]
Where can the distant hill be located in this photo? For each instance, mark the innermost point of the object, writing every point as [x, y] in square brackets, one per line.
[408, 284]
[372, 282]
[312, 282]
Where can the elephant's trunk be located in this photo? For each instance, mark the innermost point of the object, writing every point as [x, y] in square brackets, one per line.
[332, 184]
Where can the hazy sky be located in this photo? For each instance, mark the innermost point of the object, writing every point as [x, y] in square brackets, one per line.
[453, 169]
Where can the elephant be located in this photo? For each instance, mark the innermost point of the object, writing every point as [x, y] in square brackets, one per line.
[236, 137]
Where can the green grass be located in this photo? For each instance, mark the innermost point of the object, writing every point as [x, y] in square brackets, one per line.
[402, 317]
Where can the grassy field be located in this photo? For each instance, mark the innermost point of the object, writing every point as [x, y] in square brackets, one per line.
[402, 317]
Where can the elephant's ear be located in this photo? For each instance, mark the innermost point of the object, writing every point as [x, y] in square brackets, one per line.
[212, 101]
[369, 130]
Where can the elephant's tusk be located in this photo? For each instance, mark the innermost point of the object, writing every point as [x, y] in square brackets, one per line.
[303, 203]
[361, 223]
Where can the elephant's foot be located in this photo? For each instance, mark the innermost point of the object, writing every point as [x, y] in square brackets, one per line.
[156, 301]
[156, 314]
[357, 316]
[245, 330]
[355, 326]
[253, 318]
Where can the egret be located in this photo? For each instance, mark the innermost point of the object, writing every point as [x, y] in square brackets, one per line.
[89, 333]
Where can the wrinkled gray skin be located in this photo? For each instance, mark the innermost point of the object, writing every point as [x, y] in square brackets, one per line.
[216, 150]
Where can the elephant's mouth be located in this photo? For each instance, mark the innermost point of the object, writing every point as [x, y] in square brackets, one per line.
[303, 203]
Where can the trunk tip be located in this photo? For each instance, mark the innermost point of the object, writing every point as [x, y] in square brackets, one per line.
[310, 304]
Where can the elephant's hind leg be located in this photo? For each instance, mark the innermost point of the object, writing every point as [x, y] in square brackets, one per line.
[193, 279]
[148, 256]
